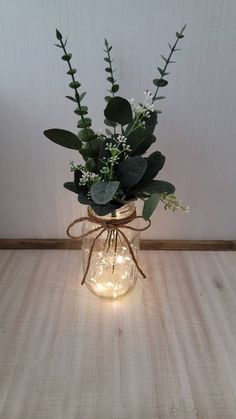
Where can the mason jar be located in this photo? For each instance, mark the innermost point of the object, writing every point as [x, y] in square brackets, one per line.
[111, 271]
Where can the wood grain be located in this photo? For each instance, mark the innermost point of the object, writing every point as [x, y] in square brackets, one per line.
[145, 244]
[167, 349]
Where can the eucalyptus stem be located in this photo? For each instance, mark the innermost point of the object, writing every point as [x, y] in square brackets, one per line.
[110, 78]
[163, 73]
[75, 83]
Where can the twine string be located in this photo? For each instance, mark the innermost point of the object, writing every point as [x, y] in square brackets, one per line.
[116, 225]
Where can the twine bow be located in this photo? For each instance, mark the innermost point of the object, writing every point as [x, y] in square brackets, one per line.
[116, 225]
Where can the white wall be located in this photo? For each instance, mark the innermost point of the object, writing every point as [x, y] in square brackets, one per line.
[196, 130]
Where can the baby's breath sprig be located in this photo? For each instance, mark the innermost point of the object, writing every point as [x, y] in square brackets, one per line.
[171, 202]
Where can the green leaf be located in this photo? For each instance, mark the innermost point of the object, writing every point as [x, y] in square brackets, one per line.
[87, 135]
[150, 206]
[91, 148]
[63, 138]
[150, 123]
[71, 72]
[74, 84]
[104, 191]
[81, 96]
[105, 209]
[159, 186]
[115, 88]
[160, 97]
[131, 170]
[71, 187]
[111, 79]
[82, 110]
[109, 123]
[91, 165]
[108, 98]
[58, 35]
[160, 82]
[66, 57]
[106, 59]
[178, 35]
[136, 139]
[143, 146]
[118, 110]
[71, 98]
[155, 163]
[84, 123]
[108, 70]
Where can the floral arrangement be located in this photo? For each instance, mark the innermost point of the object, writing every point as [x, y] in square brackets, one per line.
[115, 169]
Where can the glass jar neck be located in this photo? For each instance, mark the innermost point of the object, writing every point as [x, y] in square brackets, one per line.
[122, 212]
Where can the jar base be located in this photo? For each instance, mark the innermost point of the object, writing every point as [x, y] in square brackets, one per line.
[109, 292]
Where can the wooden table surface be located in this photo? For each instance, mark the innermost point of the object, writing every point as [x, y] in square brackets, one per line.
[166, 350]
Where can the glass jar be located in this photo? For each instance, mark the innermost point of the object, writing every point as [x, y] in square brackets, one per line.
[112, 270]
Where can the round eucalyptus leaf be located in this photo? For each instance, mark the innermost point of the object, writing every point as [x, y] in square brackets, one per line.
[160, 82]
[84, 123]
[131, 170]
[66, 57]
[118, 110]
[74, 84]
[71, 72]
[104, 191]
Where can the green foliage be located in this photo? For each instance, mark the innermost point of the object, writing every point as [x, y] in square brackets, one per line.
[114, 171]
[130, 171]
[63, 138]
[118, 110]
[104, 191]
[150, 205]
[159, 186]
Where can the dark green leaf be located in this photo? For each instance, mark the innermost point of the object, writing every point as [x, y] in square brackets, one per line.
[81, 96]
[92, 147]
[108, 132]
[74, 84]
[111, 79]
[71, 98]
[104, 191]
[71, 187]
[82, 110]
[131, 170]
[118, 110]
[106, 59]
[57, 45]
[109, 123]
[91, 165]
[108, 70]
[105, 209]
[150, 123]
[150, 205]
[71, 72]
[84, 199]
[58, 35]
[107, 98]
[66, 57]
[160, 97]
[160, 82]
[64, 138]
[178, 35]
[143, 146]
[84, 123]
[115, 88]
[159, 186]
[87, 135]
